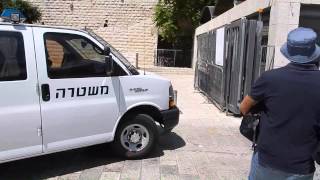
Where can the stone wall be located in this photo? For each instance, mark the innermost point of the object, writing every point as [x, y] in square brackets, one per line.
[129, 23]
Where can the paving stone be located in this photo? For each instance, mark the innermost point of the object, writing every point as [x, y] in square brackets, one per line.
[169, 163]
[73, 176]
[53, 178]
[92, 174]
[151, 162]
[227, 162]
[150, 169]
[169, 177]
[231, 175]
[169, 169]
[169, 157]
[130, 175]
[188, 177]
[202, 162]
[186, 164]
[114, 167]
[211, 176]
[131, 170]
[132, 165]
[110, 176]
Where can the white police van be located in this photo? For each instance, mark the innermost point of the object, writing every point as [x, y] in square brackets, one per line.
[63, 88]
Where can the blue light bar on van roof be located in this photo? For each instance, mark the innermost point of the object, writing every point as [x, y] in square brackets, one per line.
[14, 15]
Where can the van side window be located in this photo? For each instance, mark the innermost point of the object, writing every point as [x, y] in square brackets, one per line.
[73, 56]
[12, 57]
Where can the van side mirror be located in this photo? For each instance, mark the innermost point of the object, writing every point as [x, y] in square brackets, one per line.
[108, 61]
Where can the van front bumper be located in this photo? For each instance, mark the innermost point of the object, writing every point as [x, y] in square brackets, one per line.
[170, 118]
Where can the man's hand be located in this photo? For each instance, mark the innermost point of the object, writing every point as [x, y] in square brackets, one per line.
[246, 105]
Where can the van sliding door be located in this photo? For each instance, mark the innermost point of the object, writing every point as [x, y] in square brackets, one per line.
[20, 120]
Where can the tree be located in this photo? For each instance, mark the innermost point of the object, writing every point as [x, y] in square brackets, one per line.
[31, 12]
[178, 18]
[224, 5]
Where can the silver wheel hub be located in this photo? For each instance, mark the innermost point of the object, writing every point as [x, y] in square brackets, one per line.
[135, 137]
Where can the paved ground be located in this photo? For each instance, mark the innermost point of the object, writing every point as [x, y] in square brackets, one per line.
[206, 145]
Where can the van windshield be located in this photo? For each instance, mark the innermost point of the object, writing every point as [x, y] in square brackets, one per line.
[128, 65]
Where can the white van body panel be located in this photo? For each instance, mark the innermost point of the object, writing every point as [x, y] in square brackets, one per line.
[141, 89]
[153, 88]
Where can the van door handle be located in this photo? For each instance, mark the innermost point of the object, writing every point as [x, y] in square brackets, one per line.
[45, 91]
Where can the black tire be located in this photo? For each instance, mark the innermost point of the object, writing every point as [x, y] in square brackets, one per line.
[143, 120]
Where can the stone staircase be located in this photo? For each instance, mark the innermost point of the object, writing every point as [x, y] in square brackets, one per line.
[169, 70]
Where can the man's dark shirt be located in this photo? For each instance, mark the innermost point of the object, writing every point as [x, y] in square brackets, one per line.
[290, 119]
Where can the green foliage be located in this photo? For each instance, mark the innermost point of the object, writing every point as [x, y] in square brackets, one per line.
[4, 4]
[166, 21]
[176, 18]
[31, 12]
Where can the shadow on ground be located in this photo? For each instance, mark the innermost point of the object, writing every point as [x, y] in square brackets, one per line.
[62, 163]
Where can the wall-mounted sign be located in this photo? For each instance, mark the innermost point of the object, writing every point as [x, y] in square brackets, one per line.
[220, 46]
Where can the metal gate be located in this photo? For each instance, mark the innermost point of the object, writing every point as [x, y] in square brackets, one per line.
[253, 63]
[244, 60]
[235, 43]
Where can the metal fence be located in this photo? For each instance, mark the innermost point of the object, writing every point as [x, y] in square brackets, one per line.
[210, 81]
[172, 58]
[209, 77]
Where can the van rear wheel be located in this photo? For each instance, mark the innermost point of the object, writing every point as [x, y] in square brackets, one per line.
[136, 137]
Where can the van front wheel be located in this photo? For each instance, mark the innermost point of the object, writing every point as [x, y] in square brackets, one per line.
[136, 137]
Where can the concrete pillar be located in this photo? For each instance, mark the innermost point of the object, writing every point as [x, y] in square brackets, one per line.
[284, 17]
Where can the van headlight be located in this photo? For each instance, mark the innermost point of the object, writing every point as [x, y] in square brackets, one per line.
[172, 97]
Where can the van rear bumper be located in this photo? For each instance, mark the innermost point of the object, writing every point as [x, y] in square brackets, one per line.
[170, 118]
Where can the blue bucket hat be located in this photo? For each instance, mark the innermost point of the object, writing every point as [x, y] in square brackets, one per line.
[301, 47]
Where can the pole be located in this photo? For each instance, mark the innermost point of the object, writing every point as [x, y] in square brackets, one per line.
[137, 60]
[174, 58]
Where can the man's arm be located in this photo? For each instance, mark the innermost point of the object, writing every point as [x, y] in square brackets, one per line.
[246, 105]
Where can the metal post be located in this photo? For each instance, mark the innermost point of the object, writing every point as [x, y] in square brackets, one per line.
[175, 92]
[155, 57]
[174, 59]
[137, 60]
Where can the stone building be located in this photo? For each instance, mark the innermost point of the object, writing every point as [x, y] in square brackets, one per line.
[126, 24]
[281, 17]
[234, 48]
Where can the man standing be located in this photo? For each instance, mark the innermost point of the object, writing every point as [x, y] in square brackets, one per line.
[290, 121]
